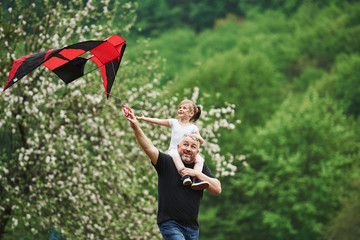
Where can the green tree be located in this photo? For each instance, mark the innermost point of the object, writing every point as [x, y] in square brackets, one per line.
[319, 42]
[292, 183]
[346, 224]
[157, 17]
[250, 81]
[343, 83]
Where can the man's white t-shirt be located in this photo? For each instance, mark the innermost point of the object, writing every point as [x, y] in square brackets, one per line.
[178, 132]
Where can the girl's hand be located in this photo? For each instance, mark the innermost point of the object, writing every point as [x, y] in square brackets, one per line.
[141, 117]
[198, 136]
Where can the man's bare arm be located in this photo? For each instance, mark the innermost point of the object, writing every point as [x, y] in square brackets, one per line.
[214, 183]
[143, 140]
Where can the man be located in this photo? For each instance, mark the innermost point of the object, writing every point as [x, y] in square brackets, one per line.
[179, 205]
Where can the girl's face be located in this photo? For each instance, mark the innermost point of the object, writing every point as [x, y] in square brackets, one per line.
[184, 112]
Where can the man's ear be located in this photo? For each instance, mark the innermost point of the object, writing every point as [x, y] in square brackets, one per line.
[198, 150]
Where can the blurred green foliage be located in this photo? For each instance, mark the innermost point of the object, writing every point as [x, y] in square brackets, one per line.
[292, 70]
[156, 17]
[342, 82]
[345, 225]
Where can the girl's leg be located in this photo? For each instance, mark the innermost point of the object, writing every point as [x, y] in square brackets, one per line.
[199, 184]
[199, 163]
[179, 165]
[176, 158]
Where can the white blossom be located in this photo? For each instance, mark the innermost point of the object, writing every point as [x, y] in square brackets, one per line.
[15, 222]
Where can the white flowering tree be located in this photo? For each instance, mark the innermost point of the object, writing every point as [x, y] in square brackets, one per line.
[68, 158]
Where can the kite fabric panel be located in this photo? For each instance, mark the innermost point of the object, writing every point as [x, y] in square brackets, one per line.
[67, 64]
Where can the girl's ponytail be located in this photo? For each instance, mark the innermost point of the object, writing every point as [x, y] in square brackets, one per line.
[197, 113]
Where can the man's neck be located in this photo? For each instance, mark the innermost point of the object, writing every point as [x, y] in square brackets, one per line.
[189, 163]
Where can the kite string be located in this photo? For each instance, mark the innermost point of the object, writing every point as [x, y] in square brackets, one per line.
[122, 102]
[108, 93]
[100, 92]
[97, 91]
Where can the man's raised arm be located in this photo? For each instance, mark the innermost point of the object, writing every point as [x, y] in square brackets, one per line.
[143, 140]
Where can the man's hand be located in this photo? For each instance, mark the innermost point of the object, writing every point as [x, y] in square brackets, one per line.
[127, 111]
[189, 172]
[132, 119]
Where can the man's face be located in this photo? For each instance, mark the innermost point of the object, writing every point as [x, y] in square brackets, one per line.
[188, 149]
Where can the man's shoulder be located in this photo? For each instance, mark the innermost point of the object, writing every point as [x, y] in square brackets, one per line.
[163, 155]
[163, 158]
[164, 163]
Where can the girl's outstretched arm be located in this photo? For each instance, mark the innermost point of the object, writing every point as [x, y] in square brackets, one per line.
[162, 122]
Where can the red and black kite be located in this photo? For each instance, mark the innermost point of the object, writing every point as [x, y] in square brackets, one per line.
[68, 65]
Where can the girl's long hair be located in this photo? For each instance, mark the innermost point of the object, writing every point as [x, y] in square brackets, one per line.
[193, 107]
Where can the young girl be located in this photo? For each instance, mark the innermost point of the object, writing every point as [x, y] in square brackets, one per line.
[188, 113]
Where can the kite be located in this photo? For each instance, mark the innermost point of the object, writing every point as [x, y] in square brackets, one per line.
[67, 64]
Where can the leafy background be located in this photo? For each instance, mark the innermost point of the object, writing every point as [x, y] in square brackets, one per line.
[278, 82]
